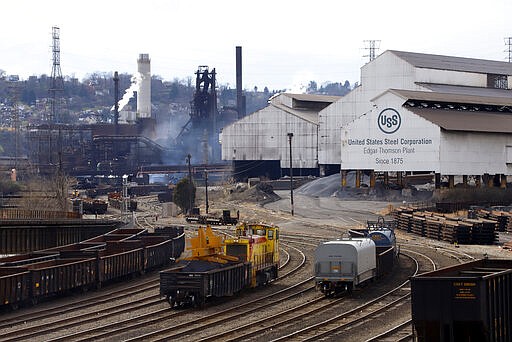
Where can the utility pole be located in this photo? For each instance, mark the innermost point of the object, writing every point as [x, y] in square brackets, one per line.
[508, 50]
[57, 86]
[290, 135]
[15, 89]
[206, 186]
[372, 46]
[124, 206]
[116, 99]
[189, 184]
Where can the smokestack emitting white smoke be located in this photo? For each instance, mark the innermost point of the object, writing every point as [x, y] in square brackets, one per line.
[144, 92]
[128, 94]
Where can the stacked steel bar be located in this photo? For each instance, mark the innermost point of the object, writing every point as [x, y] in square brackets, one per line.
[418, 223]
[503, 217]
[433, 226]
[441, 227]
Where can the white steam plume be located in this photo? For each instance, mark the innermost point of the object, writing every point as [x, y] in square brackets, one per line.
[128, 94]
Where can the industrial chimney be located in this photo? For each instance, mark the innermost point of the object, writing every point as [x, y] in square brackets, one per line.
[144, 93]
[240, 97]
[116, 99]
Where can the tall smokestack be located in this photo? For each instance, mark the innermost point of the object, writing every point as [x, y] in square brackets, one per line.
[144, 93]
[116, 99]
[240, 98]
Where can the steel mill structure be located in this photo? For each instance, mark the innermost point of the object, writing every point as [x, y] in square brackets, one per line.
[413, 113]
[128, 144]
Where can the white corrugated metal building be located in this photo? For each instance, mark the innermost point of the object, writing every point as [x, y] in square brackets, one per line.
[483, 79]
[447, 115]
[258, 144]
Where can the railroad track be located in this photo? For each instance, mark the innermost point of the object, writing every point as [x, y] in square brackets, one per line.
[172, 331]
[400, 333]
[68, 315]
[335, 325]
[85, 325]
[136, 319]
[247, 325]
[23, 317]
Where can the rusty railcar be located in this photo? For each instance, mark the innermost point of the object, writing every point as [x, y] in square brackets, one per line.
[87, 265]
[467, 302]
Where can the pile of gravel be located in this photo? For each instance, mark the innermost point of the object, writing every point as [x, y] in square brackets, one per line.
[330, 186]
[321, 187]
[259, 193]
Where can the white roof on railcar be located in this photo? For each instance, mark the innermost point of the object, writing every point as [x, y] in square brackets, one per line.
[356, 243]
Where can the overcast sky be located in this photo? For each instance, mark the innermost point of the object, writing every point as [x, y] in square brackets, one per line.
[284, 43]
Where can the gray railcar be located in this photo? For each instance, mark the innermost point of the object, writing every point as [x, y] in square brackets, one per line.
[342, 264]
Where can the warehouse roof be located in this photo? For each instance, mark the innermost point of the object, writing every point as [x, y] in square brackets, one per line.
[430, 61]
[454, 97]
[466, 90]
[308, 115]
[314, 97]
[453, 120]
[304, 106]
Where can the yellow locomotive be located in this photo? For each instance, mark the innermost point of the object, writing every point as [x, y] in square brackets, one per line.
[258, 244]
[217, 267]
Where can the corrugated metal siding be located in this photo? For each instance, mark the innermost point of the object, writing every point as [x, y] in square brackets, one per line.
[474, 153]
[385, 72]
[451, 77]
[397, 70]
[263, 136]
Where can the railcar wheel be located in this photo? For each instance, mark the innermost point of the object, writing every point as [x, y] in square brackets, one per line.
[201, 302]
[172, 301]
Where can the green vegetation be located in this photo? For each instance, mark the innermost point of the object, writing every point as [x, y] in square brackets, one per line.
[182, 193]
[8, 187]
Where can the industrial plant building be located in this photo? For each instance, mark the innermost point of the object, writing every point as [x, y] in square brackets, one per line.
[446, 115]
[258, 144]
[412, 112]
[115, 148]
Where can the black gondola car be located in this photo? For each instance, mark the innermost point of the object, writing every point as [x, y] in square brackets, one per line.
[467, 302]
[386, 259]
[197, 280]
[14, 285]
[60, 275]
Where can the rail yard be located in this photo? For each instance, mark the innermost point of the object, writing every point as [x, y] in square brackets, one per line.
[133, 309]
[399, 228]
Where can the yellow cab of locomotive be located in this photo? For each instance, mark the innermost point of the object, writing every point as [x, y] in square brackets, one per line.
[258, 244]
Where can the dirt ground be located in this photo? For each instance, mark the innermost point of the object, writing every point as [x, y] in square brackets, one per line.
[319, 207]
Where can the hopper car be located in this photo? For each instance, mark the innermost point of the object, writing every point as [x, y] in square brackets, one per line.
[115, 256]
[217, 267]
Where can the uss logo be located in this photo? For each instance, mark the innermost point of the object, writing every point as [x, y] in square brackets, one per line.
[389, 121]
